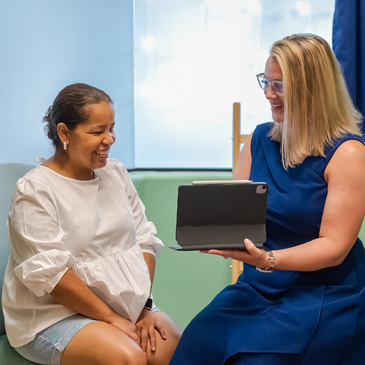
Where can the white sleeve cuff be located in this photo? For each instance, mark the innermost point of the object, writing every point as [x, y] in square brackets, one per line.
[42, 272]
[147, 240]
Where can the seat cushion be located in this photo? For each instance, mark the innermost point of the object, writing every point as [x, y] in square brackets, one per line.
[9, 356]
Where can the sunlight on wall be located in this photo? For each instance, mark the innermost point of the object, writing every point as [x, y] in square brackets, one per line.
[194, 59]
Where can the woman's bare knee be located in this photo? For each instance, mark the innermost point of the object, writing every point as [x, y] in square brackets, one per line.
[132, 357]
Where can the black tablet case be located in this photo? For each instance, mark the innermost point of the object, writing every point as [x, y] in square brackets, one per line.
[221, 216]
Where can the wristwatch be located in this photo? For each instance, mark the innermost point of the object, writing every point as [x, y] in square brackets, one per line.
[149, 303]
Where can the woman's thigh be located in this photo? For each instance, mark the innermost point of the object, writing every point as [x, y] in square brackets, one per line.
[101, 343]
[48, 345]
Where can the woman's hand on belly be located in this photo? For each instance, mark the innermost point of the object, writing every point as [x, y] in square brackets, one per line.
[146, 326]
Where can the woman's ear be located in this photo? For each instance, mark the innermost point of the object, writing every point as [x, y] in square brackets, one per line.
[63, 132]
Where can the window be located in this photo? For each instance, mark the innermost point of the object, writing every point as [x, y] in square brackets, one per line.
[193, 59]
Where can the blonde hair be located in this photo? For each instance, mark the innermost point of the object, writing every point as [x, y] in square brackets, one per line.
[317, 105]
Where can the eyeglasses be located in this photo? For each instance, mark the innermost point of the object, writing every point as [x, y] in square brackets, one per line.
[277, 86]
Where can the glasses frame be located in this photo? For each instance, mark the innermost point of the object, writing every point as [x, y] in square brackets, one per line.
[271, 84]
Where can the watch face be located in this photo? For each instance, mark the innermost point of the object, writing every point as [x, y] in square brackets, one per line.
[149, 303]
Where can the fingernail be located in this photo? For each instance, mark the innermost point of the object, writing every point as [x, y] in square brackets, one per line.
[153, 348]
[247, 241]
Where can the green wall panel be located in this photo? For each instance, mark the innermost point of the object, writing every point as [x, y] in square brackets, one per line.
[362, 233]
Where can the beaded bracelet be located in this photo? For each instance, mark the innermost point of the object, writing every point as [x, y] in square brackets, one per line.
[271, 258]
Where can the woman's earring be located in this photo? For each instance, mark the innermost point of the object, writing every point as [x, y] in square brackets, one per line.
[65, 145]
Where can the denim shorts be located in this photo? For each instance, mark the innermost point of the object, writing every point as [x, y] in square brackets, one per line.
[49, 344]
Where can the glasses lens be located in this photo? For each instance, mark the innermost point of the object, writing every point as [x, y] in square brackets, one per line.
[262, 81]
[278, 87]
[264, 84]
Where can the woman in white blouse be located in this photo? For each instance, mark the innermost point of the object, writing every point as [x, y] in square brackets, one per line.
[77, 288]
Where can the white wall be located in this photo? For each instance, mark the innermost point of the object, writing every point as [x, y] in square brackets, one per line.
[48, 44]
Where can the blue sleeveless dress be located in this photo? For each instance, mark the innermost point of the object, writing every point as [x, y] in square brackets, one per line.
[285, 317]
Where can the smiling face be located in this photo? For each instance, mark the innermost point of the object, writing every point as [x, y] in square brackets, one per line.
[89, 143]
[273, 73]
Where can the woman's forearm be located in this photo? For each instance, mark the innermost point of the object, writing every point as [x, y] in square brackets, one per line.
[74, 294]
[314, 255]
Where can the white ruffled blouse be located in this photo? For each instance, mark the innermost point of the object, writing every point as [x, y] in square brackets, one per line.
[97, 228]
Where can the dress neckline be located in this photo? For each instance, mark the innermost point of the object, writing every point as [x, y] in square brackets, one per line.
[90, 182]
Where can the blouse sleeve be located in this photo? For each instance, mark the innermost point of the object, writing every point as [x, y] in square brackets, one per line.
[145, 230]
[36, 238]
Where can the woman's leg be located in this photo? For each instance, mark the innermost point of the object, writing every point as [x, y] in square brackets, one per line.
[100, 343]
[164, 348]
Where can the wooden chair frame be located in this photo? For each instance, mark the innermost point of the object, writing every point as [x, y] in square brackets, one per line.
[238, 139]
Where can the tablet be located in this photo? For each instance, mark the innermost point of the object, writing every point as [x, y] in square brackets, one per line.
[214, 215]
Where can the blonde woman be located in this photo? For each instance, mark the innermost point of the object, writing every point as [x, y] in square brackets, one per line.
[301, 300]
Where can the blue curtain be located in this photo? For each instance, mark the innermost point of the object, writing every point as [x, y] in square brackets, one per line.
[348, 43]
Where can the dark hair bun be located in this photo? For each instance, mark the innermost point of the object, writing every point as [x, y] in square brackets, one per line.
[70, 108]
